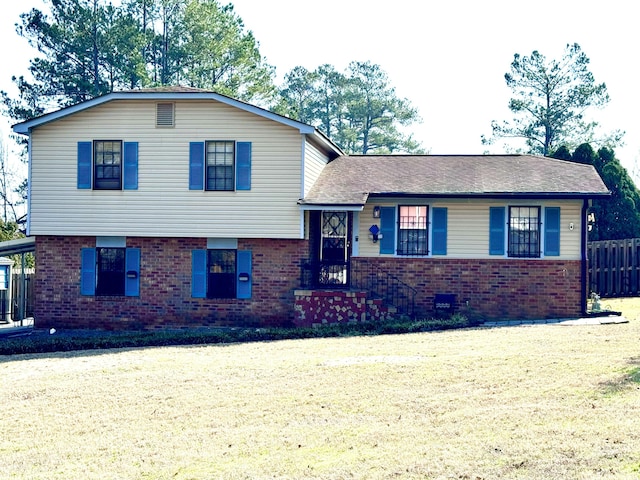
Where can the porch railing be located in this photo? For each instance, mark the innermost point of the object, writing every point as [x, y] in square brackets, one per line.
[377, 283]
[389, 288]
[324, 274]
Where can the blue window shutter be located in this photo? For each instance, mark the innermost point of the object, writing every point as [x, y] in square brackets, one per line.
[88, 272]
[196, 166]
[387, 229]
[130, 165]
[199, 273]
[243, 284]
[497, 226]
[132, 264]
[243, 166]
[84, 165]
[552, 231]
[439, 230]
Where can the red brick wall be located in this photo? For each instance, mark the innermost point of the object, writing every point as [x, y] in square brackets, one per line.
[491, 289]
[165, 286]
[485, 289]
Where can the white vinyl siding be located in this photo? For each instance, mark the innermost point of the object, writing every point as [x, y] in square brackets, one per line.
[314, 163]
[468, 226]
[163, 205]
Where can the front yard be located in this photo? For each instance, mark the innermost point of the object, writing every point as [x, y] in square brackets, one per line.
[543, 401]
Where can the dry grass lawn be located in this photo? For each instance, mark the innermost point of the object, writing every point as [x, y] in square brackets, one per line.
[535, 402]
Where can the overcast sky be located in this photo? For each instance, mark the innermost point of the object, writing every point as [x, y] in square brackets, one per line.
[448, 58]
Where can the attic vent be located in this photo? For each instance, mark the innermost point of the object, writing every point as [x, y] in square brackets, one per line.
[164, 115]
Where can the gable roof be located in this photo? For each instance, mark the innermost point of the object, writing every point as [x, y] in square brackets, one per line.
[169, 93]
[351, 180]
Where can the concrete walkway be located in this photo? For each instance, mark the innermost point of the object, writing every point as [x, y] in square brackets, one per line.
[596, 320]
[16, 329]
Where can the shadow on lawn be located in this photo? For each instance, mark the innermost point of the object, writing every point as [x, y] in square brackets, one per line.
[629, 378]
[42, 342]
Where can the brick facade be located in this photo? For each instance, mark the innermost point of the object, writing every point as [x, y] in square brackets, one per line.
[165, 286]
[484, 289]
[490, 289]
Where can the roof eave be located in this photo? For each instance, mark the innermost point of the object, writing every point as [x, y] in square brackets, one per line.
[531, 195]
[353, 207]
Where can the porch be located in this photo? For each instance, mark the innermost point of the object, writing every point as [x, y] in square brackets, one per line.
[350, 291]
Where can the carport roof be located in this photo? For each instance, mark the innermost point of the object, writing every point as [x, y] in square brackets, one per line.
[21, 245]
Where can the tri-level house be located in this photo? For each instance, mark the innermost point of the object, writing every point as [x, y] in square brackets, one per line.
[181, 207]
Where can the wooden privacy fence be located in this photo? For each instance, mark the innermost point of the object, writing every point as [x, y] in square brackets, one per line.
[22, 294]
[614, 267]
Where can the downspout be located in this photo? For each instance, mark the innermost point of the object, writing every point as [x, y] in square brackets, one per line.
[584, 272]
[28, 229]
[302, 181]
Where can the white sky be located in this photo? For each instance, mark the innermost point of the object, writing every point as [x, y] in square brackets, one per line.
[448, 58]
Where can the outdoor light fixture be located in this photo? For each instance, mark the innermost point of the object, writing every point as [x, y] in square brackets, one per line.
[376, 212]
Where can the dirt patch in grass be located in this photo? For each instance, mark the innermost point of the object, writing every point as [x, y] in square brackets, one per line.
[519, 402]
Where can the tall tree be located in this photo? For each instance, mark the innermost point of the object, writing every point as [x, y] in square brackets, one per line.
[299, 94]
[8, 188]
[329, 106]
[91, 47]
[617, 216]
[86, 49]
[358, 110]
[218, 54]
[549, 101]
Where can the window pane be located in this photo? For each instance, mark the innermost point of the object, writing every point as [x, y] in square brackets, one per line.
[220, 165]
[524, 232]
[110, 271]
[412, 230]
[221, 278]
[107, 164]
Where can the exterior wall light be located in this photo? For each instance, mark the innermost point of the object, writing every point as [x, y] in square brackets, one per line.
[376, 212]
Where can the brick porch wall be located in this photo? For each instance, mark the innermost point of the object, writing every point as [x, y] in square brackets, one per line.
[165, 286]
[490, 289]
[321, 307]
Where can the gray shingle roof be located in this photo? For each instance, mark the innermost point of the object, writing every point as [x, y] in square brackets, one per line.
[350, 180]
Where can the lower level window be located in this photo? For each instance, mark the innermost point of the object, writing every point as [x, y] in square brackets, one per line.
[412, 230]
[524, 232]
[221, 276]
[110, 278]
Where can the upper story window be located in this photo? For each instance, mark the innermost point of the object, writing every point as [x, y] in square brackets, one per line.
[107, 161]
[220, 166]
[524, 232]
[412, 230]
[107, 165]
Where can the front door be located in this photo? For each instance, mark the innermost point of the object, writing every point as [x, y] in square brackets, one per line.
[335, 248]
